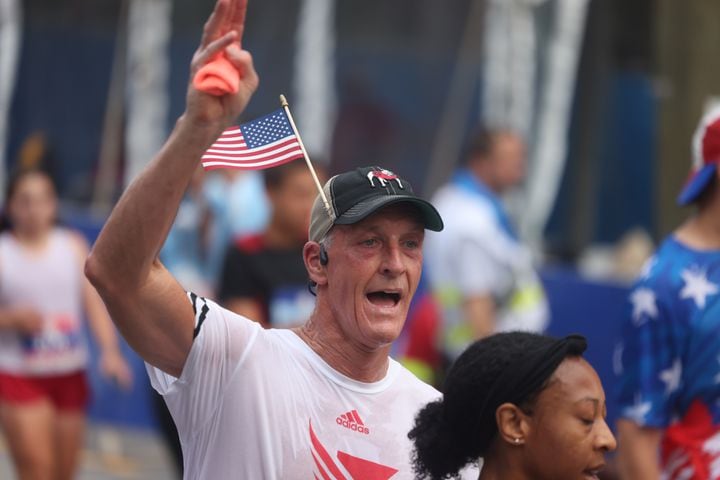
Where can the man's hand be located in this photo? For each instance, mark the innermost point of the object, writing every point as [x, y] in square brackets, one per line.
[222, 33]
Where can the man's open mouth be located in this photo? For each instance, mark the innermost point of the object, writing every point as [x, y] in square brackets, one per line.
[384, 298]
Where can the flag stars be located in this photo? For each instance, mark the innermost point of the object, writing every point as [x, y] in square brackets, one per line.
[644, 305]
[267, 130]
[647, 268]
[617, 359]
[638, 411]
[672, 376]
[697, 286]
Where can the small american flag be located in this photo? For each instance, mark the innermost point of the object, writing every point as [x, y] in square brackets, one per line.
[262, 143]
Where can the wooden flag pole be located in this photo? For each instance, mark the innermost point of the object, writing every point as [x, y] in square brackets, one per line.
[286, 107]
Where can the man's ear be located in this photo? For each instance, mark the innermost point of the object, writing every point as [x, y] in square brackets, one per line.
[512, 423]
[316, 270]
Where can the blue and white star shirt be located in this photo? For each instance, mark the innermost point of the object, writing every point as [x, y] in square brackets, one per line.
[667, 361]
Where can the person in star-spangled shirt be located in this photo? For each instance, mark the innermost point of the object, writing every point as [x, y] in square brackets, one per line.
[668, 358]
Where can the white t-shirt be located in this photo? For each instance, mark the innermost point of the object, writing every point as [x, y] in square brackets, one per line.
[474, 255]
[261, 404]
[50, 282]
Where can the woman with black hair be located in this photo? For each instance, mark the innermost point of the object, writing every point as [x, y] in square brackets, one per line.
[43, 300]
[529, 405]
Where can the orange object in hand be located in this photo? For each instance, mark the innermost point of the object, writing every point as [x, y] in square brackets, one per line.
[217, 77]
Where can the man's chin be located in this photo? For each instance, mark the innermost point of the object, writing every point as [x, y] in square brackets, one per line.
[385, 335]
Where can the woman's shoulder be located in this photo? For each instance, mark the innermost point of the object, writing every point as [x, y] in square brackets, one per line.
[73, 239]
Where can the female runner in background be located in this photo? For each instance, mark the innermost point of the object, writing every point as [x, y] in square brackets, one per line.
[43, 298]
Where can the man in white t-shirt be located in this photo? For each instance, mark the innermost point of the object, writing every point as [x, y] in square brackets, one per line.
[481, 273]
[320, 401]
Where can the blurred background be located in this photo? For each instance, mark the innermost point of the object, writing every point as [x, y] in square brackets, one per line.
[606, 93]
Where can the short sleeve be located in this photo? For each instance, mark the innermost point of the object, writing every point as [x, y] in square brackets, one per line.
[223, 340]
[648, 356]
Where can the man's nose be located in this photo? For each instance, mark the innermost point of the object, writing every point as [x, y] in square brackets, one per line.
[392, 261]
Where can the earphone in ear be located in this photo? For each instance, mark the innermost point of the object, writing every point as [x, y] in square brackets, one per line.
[323, 255]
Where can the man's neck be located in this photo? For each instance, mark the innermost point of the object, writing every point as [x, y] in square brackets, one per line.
[481, 172]
[342, 354]
[702, 231]
[31, 239]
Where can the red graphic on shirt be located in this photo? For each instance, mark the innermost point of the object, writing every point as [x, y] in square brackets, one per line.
[65, 323]
[691, 448]
[352, 421]
[357, 467]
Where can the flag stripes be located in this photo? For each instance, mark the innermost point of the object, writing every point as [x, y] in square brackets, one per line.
[262, 143]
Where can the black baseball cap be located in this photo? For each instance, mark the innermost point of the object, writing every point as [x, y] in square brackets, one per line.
[358, 193]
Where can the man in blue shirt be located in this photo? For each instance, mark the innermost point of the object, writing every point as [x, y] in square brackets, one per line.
[668, 360]
[481, 273]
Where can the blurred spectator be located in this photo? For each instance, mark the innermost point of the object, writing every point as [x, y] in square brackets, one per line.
[417, 348]
[187, 246]
[668, 358]
[43, 356]
[480, 272]
[631, 253]
[263, 276]
[619, 262]
[238, 206]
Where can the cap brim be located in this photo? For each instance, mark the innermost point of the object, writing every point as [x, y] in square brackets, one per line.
[696, 184]
[361, 210]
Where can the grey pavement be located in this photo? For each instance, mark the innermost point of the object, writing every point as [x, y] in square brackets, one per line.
[113, 453]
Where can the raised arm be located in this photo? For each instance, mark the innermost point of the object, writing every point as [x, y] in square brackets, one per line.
[146, 303]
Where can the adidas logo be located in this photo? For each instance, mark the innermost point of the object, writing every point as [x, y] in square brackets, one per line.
[352, 421]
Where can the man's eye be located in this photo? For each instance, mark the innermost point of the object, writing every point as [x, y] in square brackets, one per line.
[369, 242]
[412, 244]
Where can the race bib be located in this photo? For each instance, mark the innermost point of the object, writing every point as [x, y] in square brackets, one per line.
[58, 343]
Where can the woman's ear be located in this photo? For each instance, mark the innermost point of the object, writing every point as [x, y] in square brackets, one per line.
[313, 263]
[512, 423]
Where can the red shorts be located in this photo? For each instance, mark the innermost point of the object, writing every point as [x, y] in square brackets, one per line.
[66, 392]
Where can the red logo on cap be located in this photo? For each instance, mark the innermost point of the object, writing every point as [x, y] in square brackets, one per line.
[383, 176]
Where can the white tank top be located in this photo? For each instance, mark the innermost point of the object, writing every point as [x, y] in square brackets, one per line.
[50, 282]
